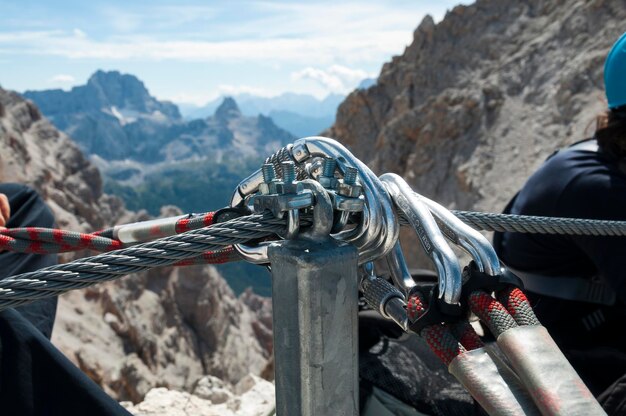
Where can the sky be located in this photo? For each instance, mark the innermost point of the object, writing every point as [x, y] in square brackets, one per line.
[194, 51]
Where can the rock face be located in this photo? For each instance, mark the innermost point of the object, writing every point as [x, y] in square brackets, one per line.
[252, 396]
[32, 151]
[478, 101]
[168, 327]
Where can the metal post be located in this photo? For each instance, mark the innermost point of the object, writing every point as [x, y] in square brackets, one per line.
[314, 296]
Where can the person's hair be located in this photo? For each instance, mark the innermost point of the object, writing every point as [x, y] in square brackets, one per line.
[611, 132]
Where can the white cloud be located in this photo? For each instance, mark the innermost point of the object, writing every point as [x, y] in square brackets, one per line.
[349, 33]
[202, 98]
[336, 78]
[323, 49]
[62, 79]
[79, 33]
[244, 89]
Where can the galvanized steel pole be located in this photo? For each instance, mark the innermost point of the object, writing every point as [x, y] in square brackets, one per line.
[314, 296]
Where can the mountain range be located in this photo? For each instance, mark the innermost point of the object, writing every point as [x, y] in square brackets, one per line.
[301, 114]
[151, 157]
[114, 117]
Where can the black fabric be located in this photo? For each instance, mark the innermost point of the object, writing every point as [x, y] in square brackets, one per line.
[404, 366]
[576, 183]
[35, 378]
[29, 210]
[613, 398]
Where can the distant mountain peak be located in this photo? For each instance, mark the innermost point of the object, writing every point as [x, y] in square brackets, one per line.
[115, 79]
[120, 89]
[105, 91]
[228, 109]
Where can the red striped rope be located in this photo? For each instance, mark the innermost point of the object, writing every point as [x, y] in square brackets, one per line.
[437, 336]
[517, 304]
[50, 240]
[491, 312]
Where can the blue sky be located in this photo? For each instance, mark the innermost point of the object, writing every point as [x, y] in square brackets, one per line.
[194, 51]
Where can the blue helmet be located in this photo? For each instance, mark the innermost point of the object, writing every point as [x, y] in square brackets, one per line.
[615, 74]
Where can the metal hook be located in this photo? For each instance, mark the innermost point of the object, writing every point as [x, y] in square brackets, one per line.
[431, 238]
[398, 269]
[464, 236]
[379, 229]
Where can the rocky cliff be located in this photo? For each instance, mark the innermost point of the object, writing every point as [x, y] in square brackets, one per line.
[165, 328]
[479, 100]
[33, 151]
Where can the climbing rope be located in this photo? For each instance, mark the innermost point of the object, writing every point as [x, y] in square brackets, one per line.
[47, 240]
[438, 336]
[214, 241]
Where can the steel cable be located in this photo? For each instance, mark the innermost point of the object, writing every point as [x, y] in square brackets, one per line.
[191, 246]
[52, 281]
[41, 240]
[488, 221]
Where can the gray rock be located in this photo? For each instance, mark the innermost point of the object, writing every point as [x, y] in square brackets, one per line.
[213, 389]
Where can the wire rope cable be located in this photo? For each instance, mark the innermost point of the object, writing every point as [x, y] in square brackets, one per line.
[488, 221]
[54, 280]
[189, 246]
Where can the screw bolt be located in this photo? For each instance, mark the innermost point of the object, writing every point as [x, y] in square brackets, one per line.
[269, 174]
[350, 176]
[329, 168]
[289, 172]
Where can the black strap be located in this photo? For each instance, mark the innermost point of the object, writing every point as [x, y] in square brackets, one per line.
[580, 289]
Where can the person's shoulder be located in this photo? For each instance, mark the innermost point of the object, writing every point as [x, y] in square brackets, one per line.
[596, 188]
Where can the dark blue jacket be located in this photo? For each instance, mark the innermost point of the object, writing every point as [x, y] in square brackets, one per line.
[577, 183]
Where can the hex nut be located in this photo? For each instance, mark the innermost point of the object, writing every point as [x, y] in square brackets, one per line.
[267, 188]
[328, 182]
[283, 188]
[300, 152]
[352, 191]
[350, 204]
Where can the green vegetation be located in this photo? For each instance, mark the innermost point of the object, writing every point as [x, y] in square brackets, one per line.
[192, 186]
